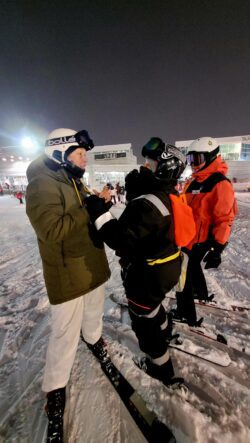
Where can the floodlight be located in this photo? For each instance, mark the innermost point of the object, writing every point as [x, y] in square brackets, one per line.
[28, 143]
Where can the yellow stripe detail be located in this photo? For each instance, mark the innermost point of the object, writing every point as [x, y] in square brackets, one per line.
[77, 192]
[159, 261]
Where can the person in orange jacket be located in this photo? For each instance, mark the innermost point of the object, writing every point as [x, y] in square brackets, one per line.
[211, 197]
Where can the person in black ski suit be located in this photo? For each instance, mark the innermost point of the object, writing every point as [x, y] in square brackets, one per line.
[143, 238]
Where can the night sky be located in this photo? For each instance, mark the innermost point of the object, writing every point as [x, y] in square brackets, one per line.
[125, 70]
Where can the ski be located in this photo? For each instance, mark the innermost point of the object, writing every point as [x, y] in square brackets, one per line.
[217, 338]
[146, 420]
[215, 356]
[230, 308]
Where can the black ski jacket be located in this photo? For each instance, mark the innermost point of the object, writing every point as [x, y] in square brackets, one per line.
[143, 237]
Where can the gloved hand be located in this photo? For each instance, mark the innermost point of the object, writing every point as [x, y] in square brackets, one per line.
[213, 257]
[132, 181]
[139, 182]
[96, 206]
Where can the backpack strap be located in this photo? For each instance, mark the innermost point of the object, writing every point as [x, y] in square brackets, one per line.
[207, 185]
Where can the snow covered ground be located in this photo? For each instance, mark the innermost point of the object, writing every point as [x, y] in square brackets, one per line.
[216, 412]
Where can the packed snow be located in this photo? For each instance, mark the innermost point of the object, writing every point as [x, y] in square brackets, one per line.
[214, 410]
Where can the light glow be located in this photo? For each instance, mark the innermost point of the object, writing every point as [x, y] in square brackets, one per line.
[27, 143]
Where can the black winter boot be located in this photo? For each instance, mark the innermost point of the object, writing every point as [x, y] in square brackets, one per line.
[164, 373]
[55, 410]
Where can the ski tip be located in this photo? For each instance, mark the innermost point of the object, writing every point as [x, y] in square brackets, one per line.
[221, 339]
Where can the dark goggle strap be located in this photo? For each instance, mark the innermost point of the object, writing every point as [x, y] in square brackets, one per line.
[60, 140]
[81, 138]
[171, 150]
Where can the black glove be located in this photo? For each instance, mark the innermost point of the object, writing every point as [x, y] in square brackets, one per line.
[96, 206]
[139, 182]
[213, 257]
[132, 181]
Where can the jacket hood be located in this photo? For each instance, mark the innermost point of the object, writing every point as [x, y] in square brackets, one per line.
[145, 182]
[218, 165]
[45, 167]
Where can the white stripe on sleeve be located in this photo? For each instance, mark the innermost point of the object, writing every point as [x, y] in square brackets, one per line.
[104, 218]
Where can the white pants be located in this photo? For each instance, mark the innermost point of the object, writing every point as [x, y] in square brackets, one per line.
[68, 319]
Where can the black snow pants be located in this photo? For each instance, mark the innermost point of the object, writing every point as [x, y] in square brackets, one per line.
[146, 288]
[195, 285]
[150, 332]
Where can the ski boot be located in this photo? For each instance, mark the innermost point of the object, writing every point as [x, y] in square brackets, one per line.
[164, 373]
[176, 318]
[55, 410]
[99, 349]
[206, 299]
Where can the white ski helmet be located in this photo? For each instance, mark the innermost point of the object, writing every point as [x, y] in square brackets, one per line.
[203, 144]
[60, 140]
[202, 150]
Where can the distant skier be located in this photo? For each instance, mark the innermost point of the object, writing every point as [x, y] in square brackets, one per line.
[144, 238]
[122, 194]
[211, 197]
[118, 191]
[113, 194]
[19, 196]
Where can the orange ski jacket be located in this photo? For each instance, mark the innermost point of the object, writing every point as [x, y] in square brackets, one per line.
[211, 197]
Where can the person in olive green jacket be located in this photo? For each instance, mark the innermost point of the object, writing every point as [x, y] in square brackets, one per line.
[74, 262]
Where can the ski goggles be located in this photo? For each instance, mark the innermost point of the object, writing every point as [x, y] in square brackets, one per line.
[196, 158]
[83, 139]
[153, 148]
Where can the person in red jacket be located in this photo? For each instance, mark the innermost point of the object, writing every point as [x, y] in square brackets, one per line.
[19, 196]
[211, 197]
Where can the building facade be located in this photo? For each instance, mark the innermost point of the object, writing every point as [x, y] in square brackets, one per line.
[109, 164]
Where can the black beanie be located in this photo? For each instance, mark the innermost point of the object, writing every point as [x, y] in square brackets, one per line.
[70, 150]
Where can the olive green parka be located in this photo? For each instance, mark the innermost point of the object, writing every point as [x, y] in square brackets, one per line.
[73, 256]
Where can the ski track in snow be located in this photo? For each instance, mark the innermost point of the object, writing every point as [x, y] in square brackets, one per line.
[217, 410]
